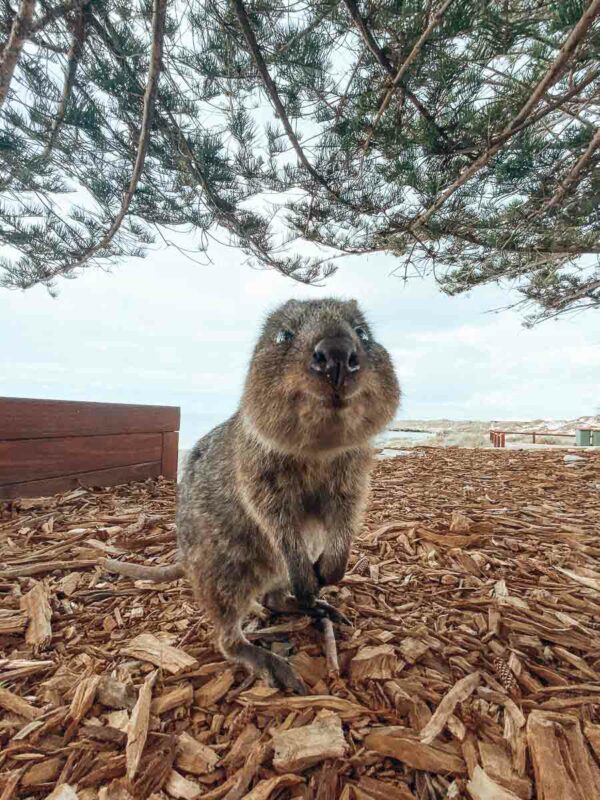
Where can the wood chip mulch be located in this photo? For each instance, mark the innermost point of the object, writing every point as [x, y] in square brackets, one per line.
[472, 669]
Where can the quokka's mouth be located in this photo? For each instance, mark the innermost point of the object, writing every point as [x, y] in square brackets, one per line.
[338, 402]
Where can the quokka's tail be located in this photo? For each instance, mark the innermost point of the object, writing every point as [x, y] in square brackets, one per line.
[167, 573]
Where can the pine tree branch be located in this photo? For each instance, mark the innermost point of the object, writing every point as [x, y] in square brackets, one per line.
[75, 52]
[584, 291]
[271, 89]
[159, 10]
[558, 102]
[573, 176]
[550, 77]
[12, 50]
[410, 58]
[56, 13]
[173, 131]
[559, 249]
[384, 62]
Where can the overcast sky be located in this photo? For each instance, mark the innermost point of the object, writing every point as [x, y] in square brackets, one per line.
[169, 331]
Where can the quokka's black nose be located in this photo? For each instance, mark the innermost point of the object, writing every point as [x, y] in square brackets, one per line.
[336, 359]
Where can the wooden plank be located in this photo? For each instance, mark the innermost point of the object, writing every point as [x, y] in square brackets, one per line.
[104, 477]
[24, 418]
[33, 459]
[170, 453]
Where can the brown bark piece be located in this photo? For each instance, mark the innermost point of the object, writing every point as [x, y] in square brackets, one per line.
[592, 734]
[461, 690]
[300, 748]
[193, 756]
[179, 696]
[137, 731]
[116, 694]
[330, 647]
[374, 663]
[241, 747]
[459, 523]
[496, 762]
[84, 696]
[235, 787]
[182, 788]
[63, 792]
[116, 790]
[344, 708]
[12, 702]
[381, 790]
[214, 690]
[404, 745]
[482, 787]
[412, 649]
[563, 766]
[12, 621]
[147, 647]
[36, 605]
[264, 789]
[311, 669]
[43, 772]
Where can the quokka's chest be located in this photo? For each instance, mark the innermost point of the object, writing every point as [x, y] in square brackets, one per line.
[314, 535]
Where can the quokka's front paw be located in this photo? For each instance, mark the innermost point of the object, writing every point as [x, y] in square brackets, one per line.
[324, 609]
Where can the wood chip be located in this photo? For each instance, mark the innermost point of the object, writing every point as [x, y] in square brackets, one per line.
[116, 694]
[148, 648]
[311, 669]
[63, 792]
[215, 689]
[496, 762]
[70, 583]
[561, 761]
[241, 747]
[380, 790]
[300, 748]
[459, 523]
[344, 708]
[264, 789]
[137, 731]
[84, 696]
[461, 690]
[12, 702]
[12, 621]
[193, 756]
[181, 788]
[413, 649]
[179, 696]
[482, 787]
[330, 647]
[36, 605]
[374, 663]
[404, 745]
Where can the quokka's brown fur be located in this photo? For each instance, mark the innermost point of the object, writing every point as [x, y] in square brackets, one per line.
[271, 499]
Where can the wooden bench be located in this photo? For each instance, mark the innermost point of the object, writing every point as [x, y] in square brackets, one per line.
[49, 446]
[498, 438]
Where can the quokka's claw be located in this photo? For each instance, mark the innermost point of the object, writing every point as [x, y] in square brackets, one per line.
[322, 609]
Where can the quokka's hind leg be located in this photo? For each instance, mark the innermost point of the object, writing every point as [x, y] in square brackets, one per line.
[275, 669]
[227, 611]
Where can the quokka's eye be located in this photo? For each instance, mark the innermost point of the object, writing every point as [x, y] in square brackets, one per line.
[284, 336]
[362, 334]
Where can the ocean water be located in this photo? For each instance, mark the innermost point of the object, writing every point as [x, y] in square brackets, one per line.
[408, 437]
